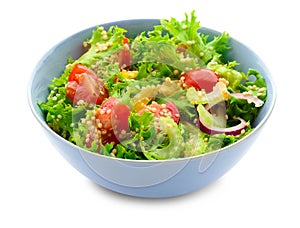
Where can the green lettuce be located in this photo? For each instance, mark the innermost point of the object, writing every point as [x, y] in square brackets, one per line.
[242, 108]
[155, 54]
[80, 133]
[112, 39]
[59, 113]
[194, 139]
[187, 33]
[153, 138]
[185, 107]
[257, 86]
[168, 143]
[228, 72]
[141, 125]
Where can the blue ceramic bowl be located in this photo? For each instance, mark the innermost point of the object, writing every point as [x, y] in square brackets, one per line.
[151, 179]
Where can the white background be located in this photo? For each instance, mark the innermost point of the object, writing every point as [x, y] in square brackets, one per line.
[40, 189]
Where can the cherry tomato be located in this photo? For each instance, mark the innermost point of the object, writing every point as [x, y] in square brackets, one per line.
[200, 78]
[168, 109]
[112, 120]
[84, 84]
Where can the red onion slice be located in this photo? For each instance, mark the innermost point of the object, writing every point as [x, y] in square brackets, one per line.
[235, 130]
[251, 99]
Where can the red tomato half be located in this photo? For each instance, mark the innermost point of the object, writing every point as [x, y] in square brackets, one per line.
[168, 109]
[200, 78]
[112, 120]
[84, 84]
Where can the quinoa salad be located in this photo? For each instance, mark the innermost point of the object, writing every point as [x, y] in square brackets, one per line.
[165, 93]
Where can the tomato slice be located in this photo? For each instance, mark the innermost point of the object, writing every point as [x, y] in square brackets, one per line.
[83, 84]
[112, 120]
[120, 115]
[168, 109]
[77, 73]
[200, 78]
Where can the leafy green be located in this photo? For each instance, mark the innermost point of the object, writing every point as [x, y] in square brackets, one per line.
[228, 72]
[117, 85]
[242, 108]
[166, 149]
[218, 141]
[142, 127]
[134, 88]
[125, 152]
[140, 122]
[112, 39]
[180, 99]
[219, 44]
[59, 113]
[257, 87]
[187, 33]
[160, 55]
[153, 138]
[194, 140]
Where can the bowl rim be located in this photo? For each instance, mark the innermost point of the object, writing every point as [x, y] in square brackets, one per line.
[224, 149]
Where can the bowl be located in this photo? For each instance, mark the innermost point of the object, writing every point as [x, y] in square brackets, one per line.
[146, 178]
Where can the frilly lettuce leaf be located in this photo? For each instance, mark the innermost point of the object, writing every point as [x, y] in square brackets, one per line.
[255, 84]
[153, 139]
[194, 140]
[174, 144]
[180, 99]
[59, 113]
[242, 108]
[187, 33]
[143, 132]
[112, 38]
[156, 51]
[228, 72]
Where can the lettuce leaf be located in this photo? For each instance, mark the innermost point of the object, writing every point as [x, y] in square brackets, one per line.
[159, 54]
[194, 139]
[187, 33]
[168, 143]
[255, 84]
[141, 125]
[256, 87]
[153, 138]
[112, 39]
[60, 115]
[228, 72]
[180, 99]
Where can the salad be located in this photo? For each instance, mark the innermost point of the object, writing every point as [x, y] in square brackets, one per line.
[164, 94]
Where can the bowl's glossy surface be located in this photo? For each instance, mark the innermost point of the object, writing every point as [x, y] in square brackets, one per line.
[154, 179]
